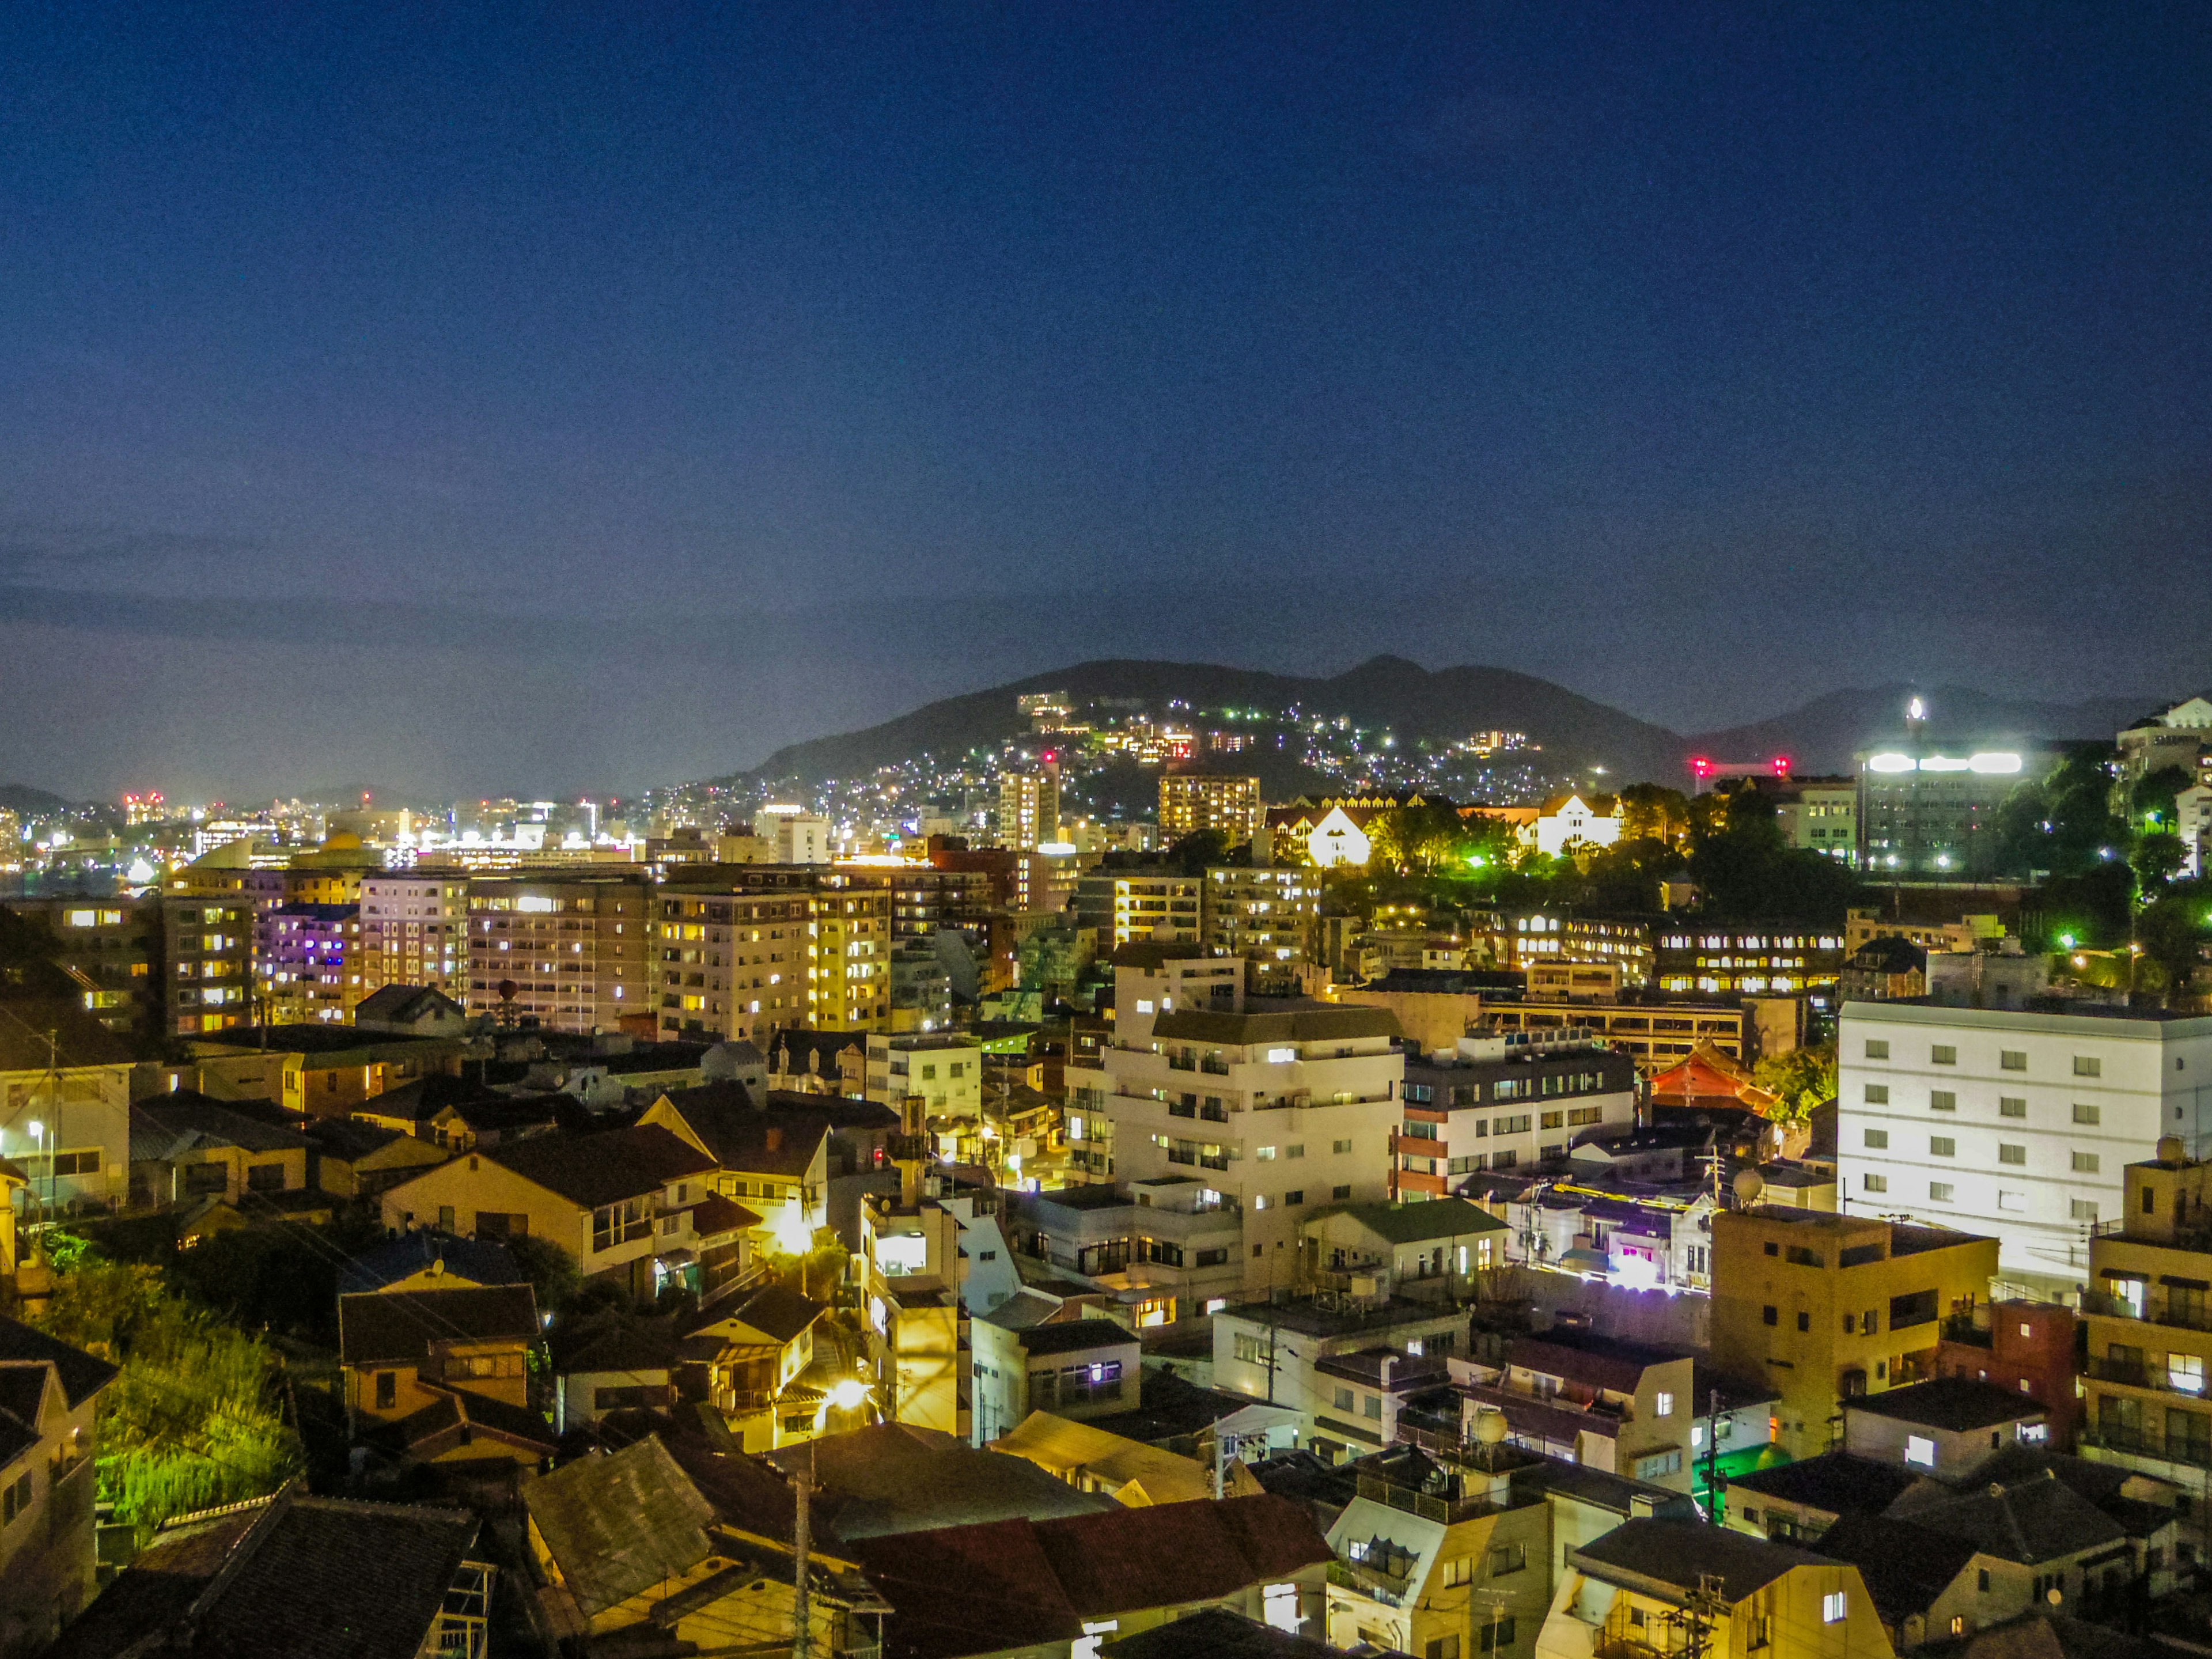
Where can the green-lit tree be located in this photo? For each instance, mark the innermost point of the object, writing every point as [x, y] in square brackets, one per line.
[2150, 803]
[1799, 1080]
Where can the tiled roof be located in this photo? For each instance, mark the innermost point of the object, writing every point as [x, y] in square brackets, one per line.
[1218, 1633]
[81, 1374]
[1834, 1483]
[892, 1477]
[1412, 1224]
[715, 1214]
[474, 1261]
[591, 1171]
[190, 1118]
[2029, 1522]
[619, 1524]
[748, 1140]
[400, 1327]
[335, 1578]
[1905, 1566]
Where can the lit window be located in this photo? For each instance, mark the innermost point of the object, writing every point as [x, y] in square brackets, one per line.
[1832, 1607]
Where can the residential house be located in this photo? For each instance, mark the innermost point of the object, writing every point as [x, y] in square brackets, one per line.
[282, 1575]
[2027, 1346]
[1167, 1247]
[1131, 1472]
[427, 1260]
[916, 1270]
[619, 1201]
[1570, 824]
[1885, 969]
[632, 1365]
[353, 1159]
[1423, 1252]
[632, 1559]
[1600, 1402]
[404, 1352]
[1217, 1634]
[48, 1392]
[777, 1163]
[405, 1009]
[1662, 1585]
[313, 1070]
[1440, 1560]
[1063, 1586]
[889, 1479]
[753, 1360]
[1276, 1352]
[1074, 1368]
[186, 1147]
[65, 1109]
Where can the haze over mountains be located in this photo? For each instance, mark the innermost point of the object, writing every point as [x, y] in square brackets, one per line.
[1574, 731]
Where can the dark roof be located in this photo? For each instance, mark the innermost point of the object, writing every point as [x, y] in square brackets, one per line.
[1890, 954]
[963, 1590]
[1409, 1224]
[186, 1115]
[1953, 1404]
[2042, 1634]
[591, 1171]
[348, 1138]
[1217, 1634]
[399, 1257]
[456, 1416]
[1608, 1361]
[892, 1478]
[1676, 1553]
[747, 1140]
[308, 1039]
[618, 1524]
[1070, 1335]
[79, 1373]
[400, 1002]
[1906, 1565]
[716, 1214]
[335, 1578]
[1152, 955]
[22, 1389]
[630, 1344]
[1835, 1483]
[395, 1326]
[777, 1310]
[2029, 1522]
[1170, 1408]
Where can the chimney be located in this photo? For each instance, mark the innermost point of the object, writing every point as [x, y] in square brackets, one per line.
[774, 1139]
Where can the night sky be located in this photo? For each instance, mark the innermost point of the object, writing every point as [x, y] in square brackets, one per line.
[453, 402]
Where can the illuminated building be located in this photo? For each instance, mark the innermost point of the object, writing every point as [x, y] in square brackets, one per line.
[2178, 736]
[306, 954]
[12, 840]
[1929, 809]
[1568, 823]
[1029, 808]
[1541, 936]
[1190, 802]
[797, 835]
[209, 983]
[568, 953]
[1499, 1101]
[1263, 914]
[1121, 905]
[112, 949]
[748, 950]
[1782, 957]
[414, 930]
[1824, 1308]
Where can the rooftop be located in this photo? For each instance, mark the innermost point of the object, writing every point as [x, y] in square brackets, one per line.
[1953, 1404]
[1834, 1483]
[1677, 1554]
[592, 1170]
[1411, 1224]
[1075, 1335]
[395, 1326]
[1316, 1022]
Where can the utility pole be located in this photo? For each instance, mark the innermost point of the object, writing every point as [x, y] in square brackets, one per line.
[1700, 1607]
[1713, 1455]
[802, 1644]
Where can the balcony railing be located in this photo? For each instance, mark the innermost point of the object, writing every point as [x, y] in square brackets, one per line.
[1366, 1581]
[2185, 1316]
[2145, 1443]
[1216, 1068]
[2138, 1374]
[1180, 1063]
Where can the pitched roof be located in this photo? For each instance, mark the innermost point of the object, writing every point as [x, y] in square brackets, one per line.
[747, 1139]
[716, 1214]
[1953, 1404]
[591, 1171]
[1906, 1566]
[1580, 1357]
[1676, 1553]
[474, 1261]
[381, 1327]
[775, 1310]
[621, 1523]
[892, 1478]
[1066, 1448]
[79, 1373]
[187, 1119]
[2029, 1522]
[964, 1590]
[457, 1416]
[1218, 1633]
[339, 1578]
[1835, 1483]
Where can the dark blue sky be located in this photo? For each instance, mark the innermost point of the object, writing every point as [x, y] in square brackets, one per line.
[605, 396]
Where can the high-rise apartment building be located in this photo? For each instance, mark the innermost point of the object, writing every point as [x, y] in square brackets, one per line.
[745, 950]
[1029, 808]
[794, 835]
[208, 983]
[2015, 1123]
[1122, 905]
[569, 953]
[414, 930]
[1265, 916]
[306, 954]
[113, 948]
[1192, 801]
[1927, 808]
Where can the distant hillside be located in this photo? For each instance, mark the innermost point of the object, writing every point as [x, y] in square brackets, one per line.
[1824, 735]
[30, 803]
[1385, 692]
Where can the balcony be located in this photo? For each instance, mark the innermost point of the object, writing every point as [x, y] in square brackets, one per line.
[1361, 1580]
[1180, 1063]
[2186, 1315]
[1213, 1066]
[2138, 1374]
[2197, 1454]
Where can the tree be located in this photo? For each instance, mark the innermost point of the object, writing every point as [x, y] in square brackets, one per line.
[550, 1267]
[2154, 858]
[2175, 929]
[1799, 1080]
[2151, 802]
[1193, 853]
[1415, 840]
[1651, 811]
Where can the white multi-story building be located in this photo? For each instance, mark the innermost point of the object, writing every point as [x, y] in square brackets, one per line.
[414, 930]
[2012, 1123]
[1278, 1113]
[798, 836]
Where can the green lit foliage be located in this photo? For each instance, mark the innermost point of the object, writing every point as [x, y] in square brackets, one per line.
[2063, 823]
[193, 1420]
[1417, 840]
[2155, 856]
[1799, 1080]
[2150, 803]
[2175, 929]
[1651, 811]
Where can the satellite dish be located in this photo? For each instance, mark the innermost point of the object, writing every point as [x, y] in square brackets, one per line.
[1749, 1184]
